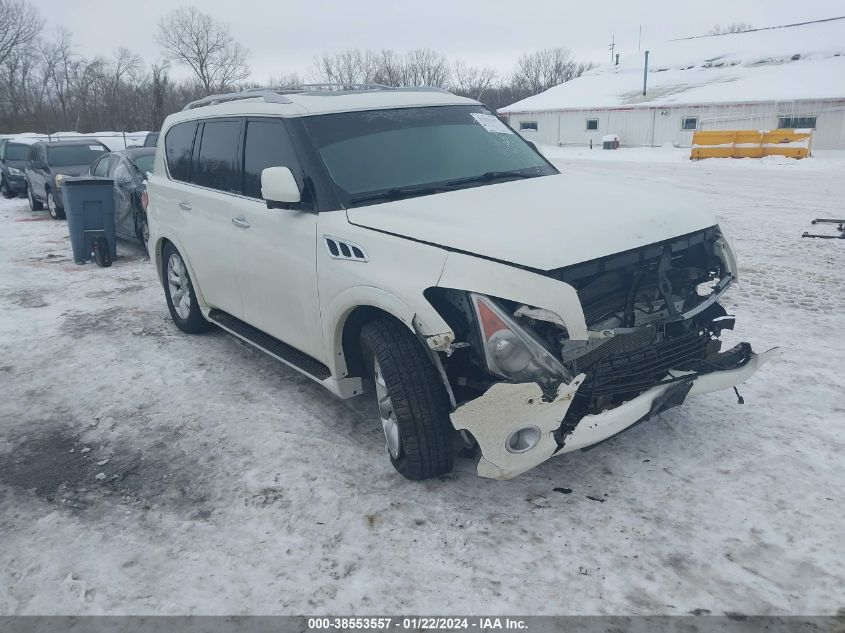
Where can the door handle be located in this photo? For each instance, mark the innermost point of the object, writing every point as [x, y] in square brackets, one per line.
[185, 206]
[240, 222]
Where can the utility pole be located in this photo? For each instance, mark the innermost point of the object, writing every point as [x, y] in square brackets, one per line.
[645, 73]
[612, 47]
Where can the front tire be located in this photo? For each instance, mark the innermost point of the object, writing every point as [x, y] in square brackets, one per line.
[34, 204]
[56, 212]
[412, 402]
[179, 292]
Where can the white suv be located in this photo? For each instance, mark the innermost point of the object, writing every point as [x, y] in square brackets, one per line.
[409, 240]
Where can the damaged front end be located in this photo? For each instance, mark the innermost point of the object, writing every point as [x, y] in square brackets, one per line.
[530, 390]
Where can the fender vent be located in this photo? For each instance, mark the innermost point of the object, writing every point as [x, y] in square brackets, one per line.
[344, 249]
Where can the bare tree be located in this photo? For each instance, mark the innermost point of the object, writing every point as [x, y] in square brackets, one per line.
[285, 80]
[539, 71]
[352, 66]
[59, 61]
[471, 81]
[160, 85]
[733, 27]
[197, 40]
[20, 24]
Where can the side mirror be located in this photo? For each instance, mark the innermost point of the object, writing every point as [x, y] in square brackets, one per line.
[533, 145]
[279, 188]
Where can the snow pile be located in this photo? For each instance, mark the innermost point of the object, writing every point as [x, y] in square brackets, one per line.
[804, 61]
[112, 140]
[234, 485]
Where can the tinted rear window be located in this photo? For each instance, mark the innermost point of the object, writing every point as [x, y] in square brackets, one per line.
[67, 155]
[145, 164]
[267, 145]
[16, 151]
[178, 145]
[217, 162]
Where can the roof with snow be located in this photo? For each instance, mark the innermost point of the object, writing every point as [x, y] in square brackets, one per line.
[801, 61]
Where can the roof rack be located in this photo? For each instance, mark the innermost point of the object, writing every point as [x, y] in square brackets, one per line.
[277, 94]
[269, 96]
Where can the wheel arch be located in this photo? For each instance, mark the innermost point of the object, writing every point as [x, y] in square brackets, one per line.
[161, 244]
[354, 308]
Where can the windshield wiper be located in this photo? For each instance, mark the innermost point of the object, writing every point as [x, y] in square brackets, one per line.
[487, 176]
[397, 193]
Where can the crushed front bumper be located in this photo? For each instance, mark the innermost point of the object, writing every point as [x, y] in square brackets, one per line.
[505, 407]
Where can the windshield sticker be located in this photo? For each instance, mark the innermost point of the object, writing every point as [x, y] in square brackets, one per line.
[491, 123]
[96, 148]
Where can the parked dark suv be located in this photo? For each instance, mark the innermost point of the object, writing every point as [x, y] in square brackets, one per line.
[13, 157]
[51, 162]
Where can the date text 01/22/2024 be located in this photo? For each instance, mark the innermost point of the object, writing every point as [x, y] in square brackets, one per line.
[411, 623]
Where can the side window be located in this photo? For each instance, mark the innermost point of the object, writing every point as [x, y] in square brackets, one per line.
[797, 122]
[216, 166]
[592, 124]
[33, 153]
[689, 123]
[178, 145]
[267, 145]
[101, 168]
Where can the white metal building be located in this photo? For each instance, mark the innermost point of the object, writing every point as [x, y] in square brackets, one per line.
[789, 76]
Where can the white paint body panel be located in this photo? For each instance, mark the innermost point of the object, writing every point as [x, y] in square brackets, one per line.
[542, 223]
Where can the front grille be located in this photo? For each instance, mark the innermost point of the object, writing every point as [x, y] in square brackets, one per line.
[620, 344]
[631, 372]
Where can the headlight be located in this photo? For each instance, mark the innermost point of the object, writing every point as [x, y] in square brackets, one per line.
[14, 171]
[512, 352]
[59, 179]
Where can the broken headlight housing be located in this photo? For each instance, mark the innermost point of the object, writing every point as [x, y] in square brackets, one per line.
[511, 351]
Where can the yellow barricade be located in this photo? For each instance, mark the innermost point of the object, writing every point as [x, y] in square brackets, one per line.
[751, 143]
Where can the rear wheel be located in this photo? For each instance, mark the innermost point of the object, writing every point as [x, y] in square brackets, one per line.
[34, 204]
[102, 254]
[412, 404]
[5, 190]
[142, 231]
[53, 208]
[179, 292]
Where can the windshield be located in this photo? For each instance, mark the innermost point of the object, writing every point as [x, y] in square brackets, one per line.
[145, 164]
[16, 151]
[74, 154]
[406, 152]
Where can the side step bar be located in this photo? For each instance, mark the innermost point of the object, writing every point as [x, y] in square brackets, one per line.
[273, 346]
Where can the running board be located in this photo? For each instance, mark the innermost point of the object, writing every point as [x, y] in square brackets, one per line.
[273, 346]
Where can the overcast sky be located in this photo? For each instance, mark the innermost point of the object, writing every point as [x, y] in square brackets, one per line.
[285, 35]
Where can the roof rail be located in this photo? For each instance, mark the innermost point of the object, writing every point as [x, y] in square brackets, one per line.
[330, 87]
[269, 96]
[277, 94]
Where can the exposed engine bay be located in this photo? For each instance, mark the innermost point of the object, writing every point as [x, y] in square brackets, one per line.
[653, 318]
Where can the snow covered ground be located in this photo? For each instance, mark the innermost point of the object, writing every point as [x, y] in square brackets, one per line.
[146, 471]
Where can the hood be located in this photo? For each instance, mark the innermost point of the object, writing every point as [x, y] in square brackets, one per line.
[542, 223]
[71, 170]
[17, 164]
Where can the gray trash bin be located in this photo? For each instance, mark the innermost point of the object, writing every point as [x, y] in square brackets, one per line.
[89, 207]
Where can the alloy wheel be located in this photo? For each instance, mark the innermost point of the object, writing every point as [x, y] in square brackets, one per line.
[178, 285]
[387, 414]
[51, 205]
